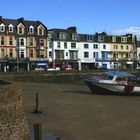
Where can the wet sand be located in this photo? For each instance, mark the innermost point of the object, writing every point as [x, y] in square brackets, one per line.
[71, 111]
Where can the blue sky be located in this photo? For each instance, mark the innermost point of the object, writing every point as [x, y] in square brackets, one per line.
[89, 16]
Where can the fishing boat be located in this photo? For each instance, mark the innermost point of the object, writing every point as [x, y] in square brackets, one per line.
[114, 82]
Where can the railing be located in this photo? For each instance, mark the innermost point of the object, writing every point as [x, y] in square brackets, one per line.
[103, 59]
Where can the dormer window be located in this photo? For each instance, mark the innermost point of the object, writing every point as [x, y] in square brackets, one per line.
[2, 28]
[10, 28]
[74, 36]
[101, 38]
[40, 30]
[62, 36]
[113, 38]
[21, 29]
[31, 30]
[89, 37]
[124, 39]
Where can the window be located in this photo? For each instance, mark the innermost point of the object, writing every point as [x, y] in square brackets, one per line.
[22, 53]
[31, 30]
[21, 42]
[66, 53]
[50, 44]
[127, 47]
[73, 55]
[95, 46]
[95, 54]
[62, 36]
[89, 37]
[65, 45]
[73, 45]
[31, 53]
[104, 46]
[10, 40]
[104, 55]
[133, 39]
[59, 54]
[11, 28]
[11, 53]
[122, 47]
[41, 42]
[115, 47]
[40, 31]
[58, 44]
[122, 56]
[86, 54]
[2, 28]
[2, 41]
[101, 38]
[127, 55]
[86, 46]
[20, 30]
[49, 35]
[31, 41]
[74, 36]
[2, 52]
[50, 54]
[124, 39]
[113, 38]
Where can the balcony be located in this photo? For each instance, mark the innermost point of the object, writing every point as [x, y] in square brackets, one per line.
[103, 59]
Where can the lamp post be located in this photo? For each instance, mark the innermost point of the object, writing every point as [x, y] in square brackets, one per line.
[53, 54]
[17, 60]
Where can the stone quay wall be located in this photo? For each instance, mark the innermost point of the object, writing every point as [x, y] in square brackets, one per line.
[13, 123]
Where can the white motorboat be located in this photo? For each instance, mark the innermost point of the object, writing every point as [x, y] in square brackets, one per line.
[114, 82]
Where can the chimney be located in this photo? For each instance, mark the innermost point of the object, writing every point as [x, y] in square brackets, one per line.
[21, 19]
[72, 29]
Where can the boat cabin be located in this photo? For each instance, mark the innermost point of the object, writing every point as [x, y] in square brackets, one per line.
[119, 77]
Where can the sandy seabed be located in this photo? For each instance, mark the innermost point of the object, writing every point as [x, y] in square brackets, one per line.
[72, 112]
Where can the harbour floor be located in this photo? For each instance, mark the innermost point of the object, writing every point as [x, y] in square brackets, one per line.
[72, 112]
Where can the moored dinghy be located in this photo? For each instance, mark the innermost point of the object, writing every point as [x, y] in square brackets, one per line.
[114, 82]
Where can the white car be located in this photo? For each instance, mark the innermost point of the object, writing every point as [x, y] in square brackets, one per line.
[138, 67]
[53, 69]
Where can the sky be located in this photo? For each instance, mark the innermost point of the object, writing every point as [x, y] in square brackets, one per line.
[89, 16]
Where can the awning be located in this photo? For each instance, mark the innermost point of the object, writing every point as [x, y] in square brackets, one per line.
[42, 63]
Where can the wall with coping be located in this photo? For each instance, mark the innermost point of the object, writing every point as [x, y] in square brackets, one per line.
[13, 124]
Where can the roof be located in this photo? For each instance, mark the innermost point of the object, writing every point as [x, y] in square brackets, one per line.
[138, 44]
[119, 73]
[15, 22]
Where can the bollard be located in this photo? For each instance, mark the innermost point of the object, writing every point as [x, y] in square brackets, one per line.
[37, 132]
[36, 111]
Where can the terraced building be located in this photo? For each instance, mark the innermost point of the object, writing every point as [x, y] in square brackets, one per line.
[23, 44]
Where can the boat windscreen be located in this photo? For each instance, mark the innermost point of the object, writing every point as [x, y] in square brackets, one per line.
[107, 77]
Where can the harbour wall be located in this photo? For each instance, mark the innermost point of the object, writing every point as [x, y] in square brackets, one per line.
[13, 123]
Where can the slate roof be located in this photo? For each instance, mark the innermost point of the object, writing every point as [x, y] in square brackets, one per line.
[56, 31]
[15, 22]
[138, 44]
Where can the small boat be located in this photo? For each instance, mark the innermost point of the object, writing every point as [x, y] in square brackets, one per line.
[114, 82]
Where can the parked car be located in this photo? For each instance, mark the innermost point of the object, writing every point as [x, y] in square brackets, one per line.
[53, 69]
[39, 69]
[69, 69]
[138, 67]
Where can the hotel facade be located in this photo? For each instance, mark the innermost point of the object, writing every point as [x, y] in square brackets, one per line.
[27, 45]
[23, 44]
[91, 51]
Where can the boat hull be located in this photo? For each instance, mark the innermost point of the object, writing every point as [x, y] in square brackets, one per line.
[108, 88]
